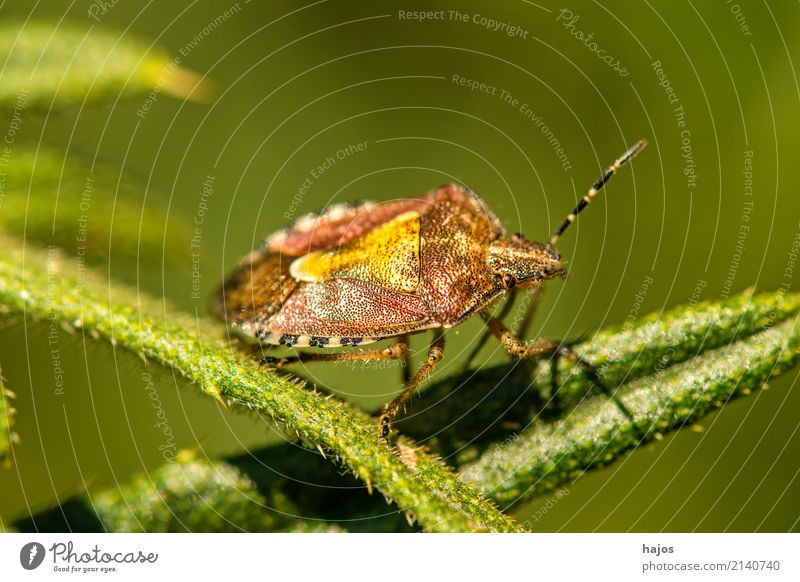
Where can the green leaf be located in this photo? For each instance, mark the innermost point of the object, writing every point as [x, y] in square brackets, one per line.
[7, 435]
[186, 495]
[596, 432]
[318, 489]
[38, 285]
[660, 340]
[87, 211]
[63, 63]
[314, 527]
[301, 491]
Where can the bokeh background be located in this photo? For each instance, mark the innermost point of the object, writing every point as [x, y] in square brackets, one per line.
[712, 86]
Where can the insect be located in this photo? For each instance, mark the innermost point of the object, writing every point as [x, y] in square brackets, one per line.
[362, 272]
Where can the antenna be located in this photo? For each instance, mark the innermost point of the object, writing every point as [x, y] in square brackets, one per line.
[601, 181]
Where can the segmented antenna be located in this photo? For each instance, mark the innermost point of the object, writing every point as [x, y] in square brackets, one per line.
[601, 181]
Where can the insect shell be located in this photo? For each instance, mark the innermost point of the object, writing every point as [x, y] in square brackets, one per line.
[358, 273]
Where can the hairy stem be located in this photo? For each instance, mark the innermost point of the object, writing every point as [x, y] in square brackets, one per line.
[35, 284]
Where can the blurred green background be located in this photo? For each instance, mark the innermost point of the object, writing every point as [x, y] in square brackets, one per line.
[712, 86]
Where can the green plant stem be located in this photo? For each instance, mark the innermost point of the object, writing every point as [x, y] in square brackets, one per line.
[34, 283]
[483, 405]
[660, 340]
[596, 432]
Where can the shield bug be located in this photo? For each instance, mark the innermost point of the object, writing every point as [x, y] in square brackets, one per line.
[362, 272]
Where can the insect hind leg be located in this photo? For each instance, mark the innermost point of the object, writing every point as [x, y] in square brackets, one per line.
[395, 351]
[435, 353]
[406, 367]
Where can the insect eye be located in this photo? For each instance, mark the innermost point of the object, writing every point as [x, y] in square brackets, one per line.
[509, 280]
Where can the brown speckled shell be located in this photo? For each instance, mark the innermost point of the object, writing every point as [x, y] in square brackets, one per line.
[336, 225]
[262, 301]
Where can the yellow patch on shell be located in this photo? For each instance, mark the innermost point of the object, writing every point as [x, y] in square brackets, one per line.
[387, 256]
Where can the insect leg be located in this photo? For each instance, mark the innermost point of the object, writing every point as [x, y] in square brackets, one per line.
[546, 347]
[406, 373]
[435, 353]
[393, 352]
[506, 309]
[515, 346]
[536, 293]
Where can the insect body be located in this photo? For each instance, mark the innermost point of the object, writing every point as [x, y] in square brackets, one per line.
[362, 272]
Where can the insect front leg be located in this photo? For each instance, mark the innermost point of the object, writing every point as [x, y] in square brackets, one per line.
[544, 347]
[505, 310]
[435, 353]
[524, 315]
[534, 300]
